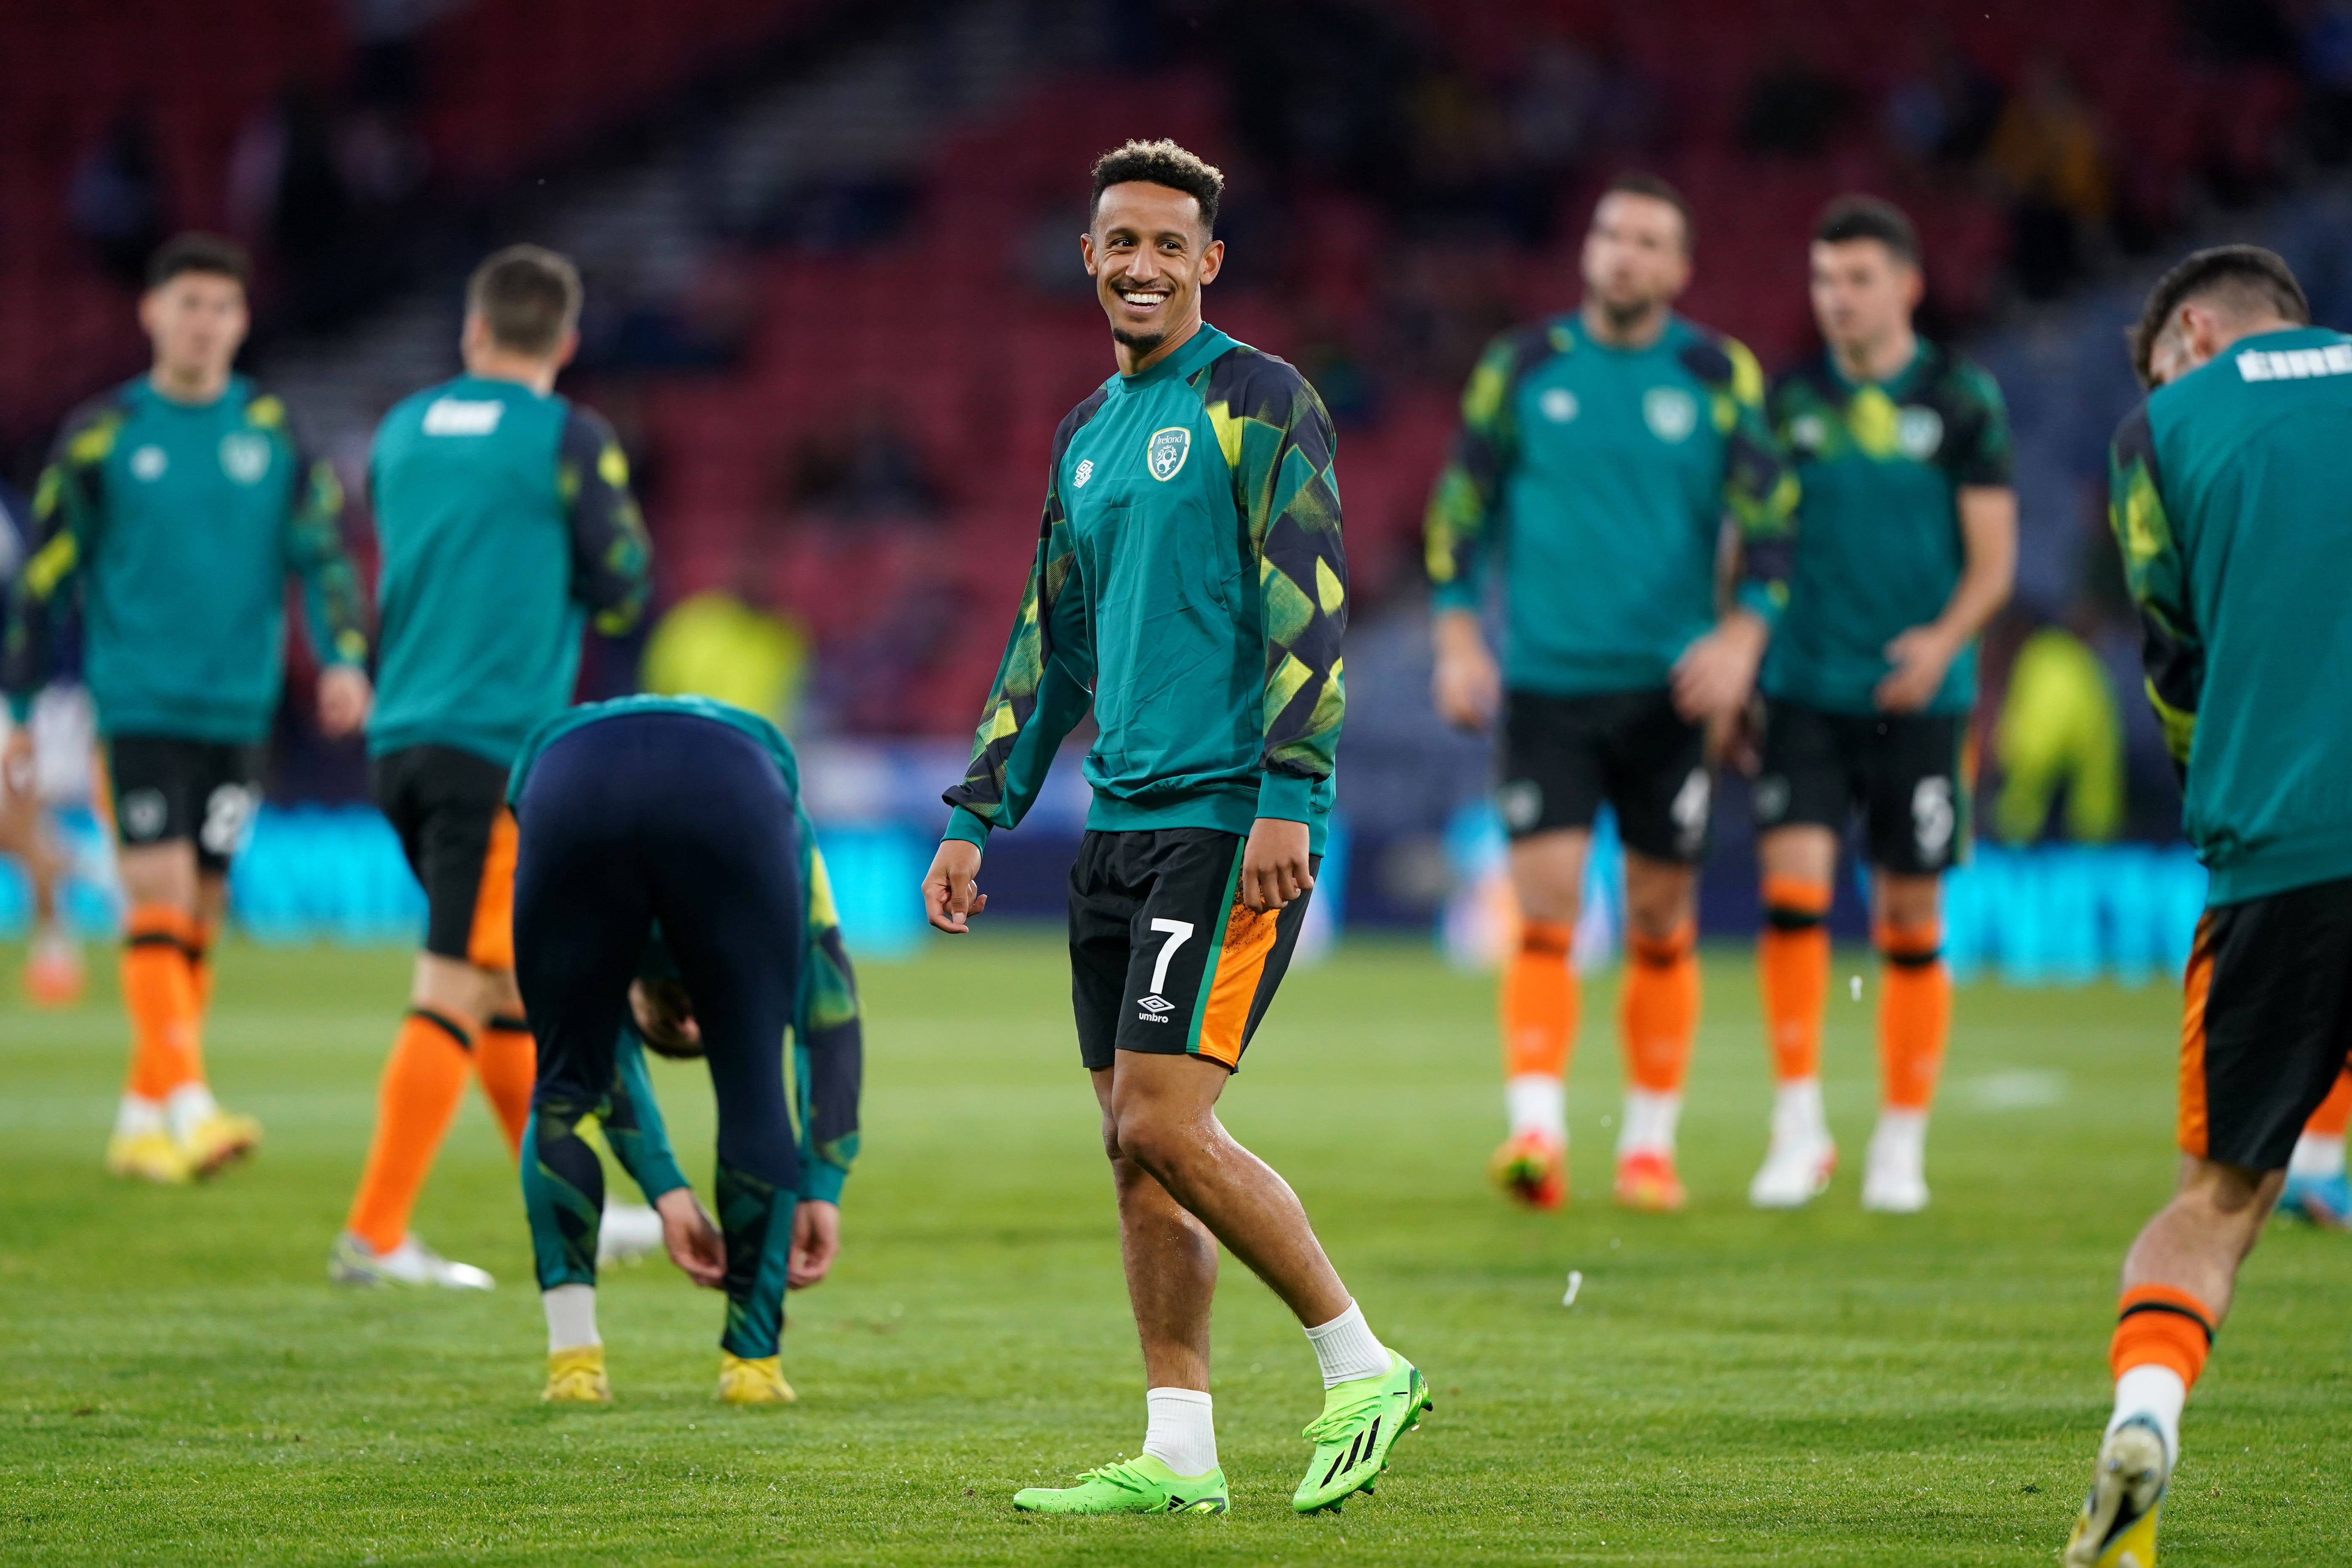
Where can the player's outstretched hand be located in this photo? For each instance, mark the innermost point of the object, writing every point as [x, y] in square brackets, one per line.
[952, 894]
[1274, 868]
[1920, 657]
[1714, 676]
[693, 1241]
[344, 699]
[1466, 685]
[816, 1242]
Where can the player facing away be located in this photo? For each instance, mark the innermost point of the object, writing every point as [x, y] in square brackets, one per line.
[1906, 547]
[1190, 585]
[2317, 1190]
[174, 508]
[2225, 494]
[668, 891]
[506, 522]
[1600, 455]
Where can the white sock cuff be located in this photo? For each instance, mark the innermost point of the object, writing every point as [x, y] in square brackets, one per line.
[571, 1317]
[2316, 1156]
[1536, 1102]
[1346, 1349]
[1180, 1430]
[2157, 1391]
[1649, 1121]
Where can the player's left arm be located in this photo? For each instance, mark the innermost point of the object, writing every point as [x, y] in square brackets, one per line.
[2171, 649]
[1980, 466]
[831, 1030]
[314, 550]
[611, 559]
[1714, 676]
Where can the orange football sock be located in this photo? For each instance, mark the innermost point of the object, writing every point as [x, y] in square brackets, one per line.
[1914, 1014]
[2157, 1325]
[1539, 1000]
[1660, 1012]
[423, 1083]
[507, 1059]
[1793, 958]
[200, 965]
[159, 993]
[2334, 1112]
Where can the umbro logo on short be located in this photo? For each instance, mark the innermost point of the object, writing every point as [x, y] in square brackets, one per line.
[1155, 1010]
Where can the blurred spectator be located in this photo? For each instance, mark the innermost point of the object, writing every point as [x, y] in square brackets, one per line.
[863, 470]
[2324, 52]
[715, 645]
[1943, 111]
[116, 200]
[2058, 731]
[1794, 109]
[2050, 154]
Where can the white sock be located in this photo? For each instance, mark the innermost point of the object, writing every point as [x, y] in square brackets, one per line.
[1649, 1121]
[1536, 1102]
[2317, 1157]
[1178, 1431]
[186, 1107]
[1902, 1136]
[137, 1115]
[2158, 1393]
[571, 1317]
[1797, 1115]
[1347, 1349]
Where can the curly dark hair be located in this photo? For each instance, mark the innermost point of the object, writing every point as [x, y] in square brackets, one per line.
[2241, 277]
[1161, 162]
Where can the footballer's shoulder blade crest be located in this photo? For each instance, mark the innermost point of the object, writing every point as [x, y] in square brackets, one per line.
[1167, 451]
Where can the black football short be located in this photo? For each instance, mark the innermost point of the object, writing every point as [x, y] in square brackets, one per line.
[1164, 957]
[2267, 1022]
[164, 789]
[1901, 771]
[1563, 756]
[449, 808]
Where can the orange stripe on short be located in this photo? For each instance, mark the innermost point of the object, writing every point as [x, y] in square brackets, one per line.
[2199, 984]
[491, 943]
[1249, 938]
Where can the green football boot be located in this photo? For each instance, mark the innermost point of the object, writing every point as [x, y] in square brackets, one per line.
[1361, 1422]
[1132, 1486]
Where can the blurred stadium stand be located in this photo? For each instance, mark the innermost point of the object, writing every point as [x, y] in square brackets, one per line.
[836, 308]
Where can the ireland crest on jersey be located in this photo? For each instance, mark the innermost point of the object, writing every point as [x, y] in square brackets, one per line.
[1166, 454]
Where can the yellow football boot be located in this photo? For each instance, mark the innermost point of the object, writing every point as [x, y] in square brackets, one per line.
[219, 1141]
[576, 1376]
[753, 1381]
[149, 1157]
[2116, 1528]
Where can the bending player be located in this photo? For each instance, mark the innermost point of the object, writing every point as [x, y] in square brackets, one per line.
[176, 506]
[53, 976]
[507, 521]
[1598, 455]
[2225, 497]
[1204, 629]
[1906, 546]
[668, 889]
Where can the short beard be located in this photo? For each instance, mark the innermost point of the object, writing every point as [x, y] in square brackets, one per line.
[1141, 342]
[1621, 317]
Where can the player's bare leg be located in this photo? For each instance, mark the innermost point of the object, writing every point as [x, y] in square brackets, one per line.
[53, 971]
[1659, 1019]
[2178, 1279]
[1540, 1007]
[1792, 961]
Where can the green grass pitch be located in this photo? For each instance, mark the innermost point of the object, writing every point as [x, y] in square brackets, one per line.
[179, 1384]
